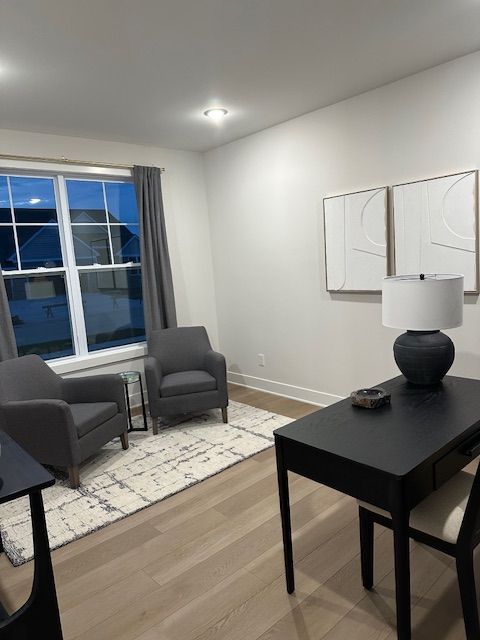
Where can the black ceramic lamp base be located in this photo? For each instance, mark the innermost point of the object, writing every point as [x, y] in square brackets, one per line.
[424, 357]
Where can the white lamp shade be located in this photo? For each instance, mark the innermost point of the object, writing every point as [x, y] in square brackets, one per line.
[435, 302]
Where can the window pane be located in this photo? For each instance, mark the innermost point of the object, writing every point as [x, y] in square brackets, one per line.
[41, 320]
[126, 247]
[91, 244]
[8, 254]
[85, 199]
[5, 212]
[121, 202]
[113, 309]
[39, 247]
[33, 199]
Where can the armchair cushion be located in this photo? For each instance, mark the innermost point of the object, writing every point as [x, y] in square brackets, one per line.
[179, 348]
[89, 415]
[99, 388]
[28, 378]
[185, 382]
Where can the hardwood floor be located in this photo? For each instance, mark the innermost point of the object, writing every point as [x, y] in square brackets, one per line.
[206, 564]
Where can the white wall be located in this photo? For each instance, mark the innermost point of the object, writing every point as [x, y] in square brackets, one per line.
[185, 212]
[265, 203]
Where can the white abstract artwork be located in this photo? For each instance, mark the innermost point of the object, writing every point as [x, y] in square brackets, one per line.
[435, 224]
[356, 240]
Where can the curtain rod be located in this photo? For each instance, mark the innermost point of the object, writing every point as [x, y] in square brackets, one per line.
[64, 160]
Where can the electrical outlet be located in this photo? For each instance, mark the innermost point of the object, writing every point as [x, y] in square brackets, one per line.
[261, 359]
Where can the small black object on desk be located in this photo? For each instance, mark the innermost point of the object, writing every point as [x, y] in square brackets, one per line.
[370, 398]
[39, 616]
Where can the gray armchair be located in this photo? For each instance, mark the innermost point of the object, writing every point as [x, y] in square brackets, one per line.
[60, 422]
[184, 374]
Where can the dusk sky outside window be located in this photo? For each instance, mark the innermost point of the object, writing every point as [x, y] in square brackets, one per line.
[33, 199]
[121, 202]
[86, 201]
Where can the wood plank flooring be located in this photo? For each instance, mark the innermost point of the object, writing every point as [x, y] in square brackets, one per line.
[206, 564]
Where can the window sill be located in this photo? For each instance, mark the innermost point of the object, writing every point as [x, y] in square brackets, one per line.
[99, 359]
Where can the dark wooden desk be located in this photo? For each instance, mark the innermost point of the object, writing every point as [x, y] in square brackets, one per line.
[21, 475]
[391, 457]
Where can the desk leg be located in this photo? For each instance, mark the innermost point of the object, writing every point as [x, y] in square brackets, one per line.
[39, 616]
[285, 516]
[43, 580]
[401, 542]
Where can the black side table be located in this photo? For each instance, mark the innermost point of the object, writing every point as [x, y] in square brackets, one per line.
[131, 377]
[21, 475]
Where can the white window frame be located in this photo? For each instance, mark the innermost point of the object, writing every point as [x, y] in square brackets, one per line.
[59, 174]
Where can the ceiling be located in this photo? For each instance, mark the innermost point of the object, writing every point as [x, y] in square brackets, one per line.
[144, 71]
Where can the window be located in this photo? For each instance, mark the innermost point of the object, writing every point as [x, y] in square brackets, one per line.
[40, 315]
[112, 301]
[70, 255]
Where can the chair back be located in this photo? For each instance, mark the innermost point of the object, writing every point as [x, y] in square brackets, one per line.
[179, 348]
[28, 378]
[469, 534]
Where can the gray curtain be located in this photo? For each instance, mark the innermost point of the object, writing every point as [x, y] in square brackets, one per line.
[158, 298]
[8, 344]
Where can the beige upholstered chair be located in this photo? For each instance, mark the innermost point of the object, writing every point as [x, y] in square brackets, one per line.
[448, 520]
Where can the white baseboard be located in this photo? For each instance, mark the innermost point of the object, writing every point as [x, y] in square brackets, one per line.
[311, 396]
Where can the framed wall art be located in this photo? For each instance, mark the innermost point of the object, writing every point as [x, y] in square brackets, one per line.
[355, 225]
[435, 224]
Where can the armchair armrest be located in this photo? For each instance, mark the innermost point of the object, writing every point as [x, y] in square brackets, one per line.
[44, 428]
[153, 378]
[215, 365]
[100, 388]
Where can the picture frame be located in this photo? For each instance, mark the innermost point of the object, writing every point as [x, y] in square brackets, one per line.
[356, 232]
[435, 226]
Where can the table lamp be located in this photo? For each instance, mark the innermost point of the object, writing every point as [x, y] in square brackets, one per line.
[423, 304]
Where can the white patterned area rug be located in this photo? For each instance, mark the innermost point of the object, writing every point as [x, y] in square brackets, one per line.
[117, 483]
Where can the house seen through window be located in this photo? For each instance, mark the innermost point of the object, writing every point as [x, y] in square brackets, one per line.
[70, 255]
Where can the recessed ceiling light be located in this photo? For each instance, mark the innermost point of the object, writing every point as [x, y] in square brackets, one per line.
[34, 200]
[216, 114]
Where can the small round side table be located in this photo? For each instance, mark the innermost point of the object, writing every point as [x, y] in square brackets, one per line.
[131, 377]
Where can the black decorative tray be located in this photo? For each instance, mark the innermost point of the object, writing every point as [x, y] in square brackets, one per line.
[370, 398]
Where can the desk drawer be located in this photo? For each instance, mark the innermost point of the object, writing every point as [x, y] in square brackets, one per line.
[455, 460]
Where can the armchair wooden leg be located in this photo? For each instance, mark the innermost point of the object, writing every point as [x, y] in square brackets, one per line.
[225, 414]
[124, 440]
[155, 426]
[74, 476]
